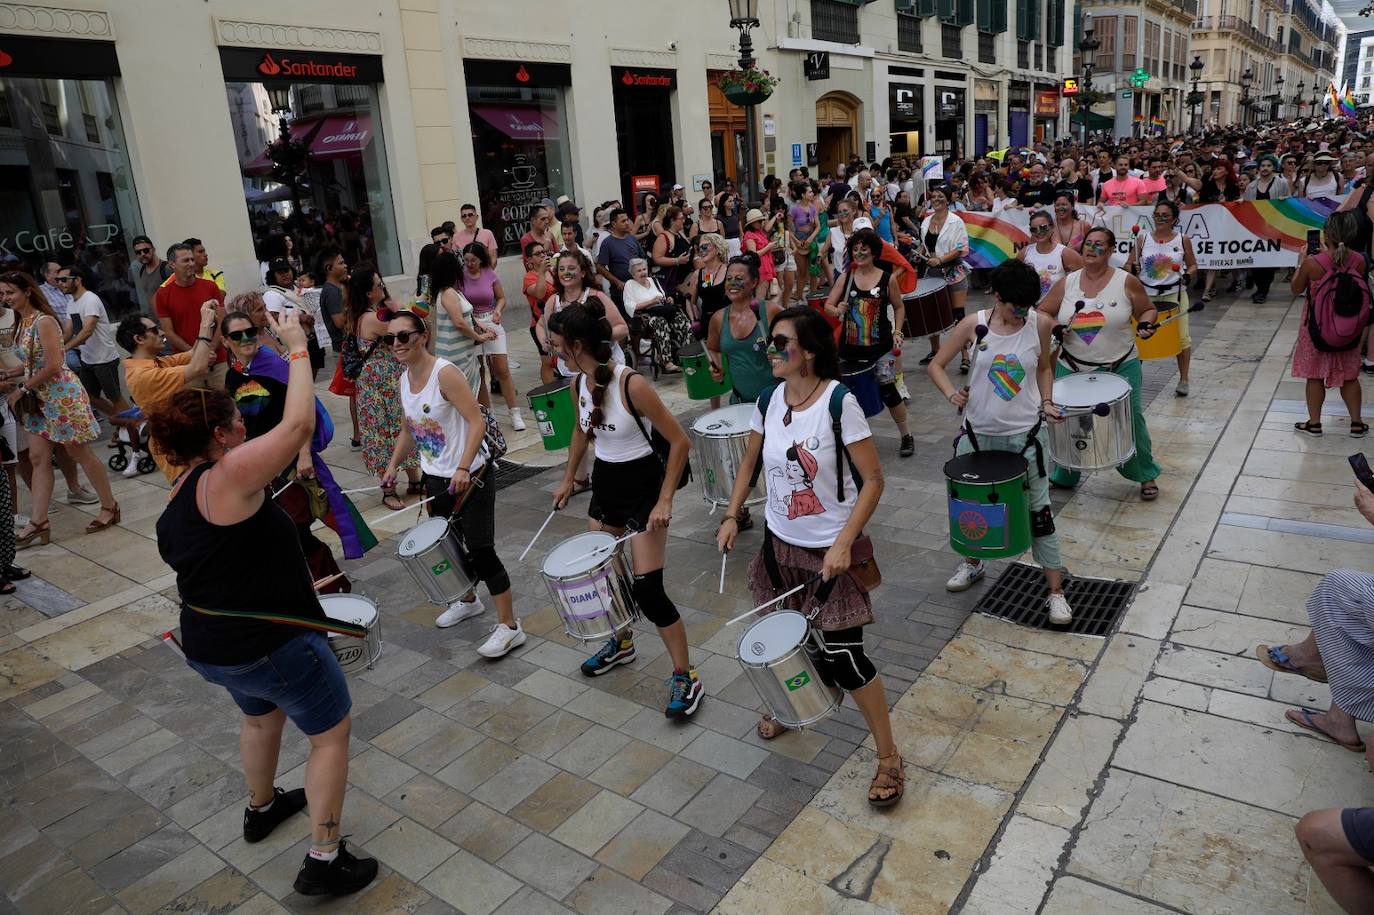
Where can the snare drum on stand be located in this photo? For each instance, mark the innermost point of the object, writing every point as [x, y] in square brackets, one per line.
[773, 654]
[590, 584]
[435, 562]
[719, 440]
[929, 308]
[354, 654]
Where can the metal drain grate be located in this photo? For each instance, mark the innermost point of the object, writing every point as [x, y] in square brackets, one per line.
[509, 473]
[1019, 596]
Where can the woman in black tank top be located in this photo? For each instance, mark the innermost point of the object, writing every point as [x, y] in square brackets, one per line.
[259, 631]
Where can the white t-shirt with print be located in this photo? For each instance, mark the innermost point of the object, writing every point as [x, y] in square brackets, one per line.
[799, 468]
[99, 347]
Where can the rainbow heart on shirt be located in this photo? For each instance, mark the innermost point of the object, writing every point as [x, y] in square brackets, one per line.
[1088, 324]
[1006, 375]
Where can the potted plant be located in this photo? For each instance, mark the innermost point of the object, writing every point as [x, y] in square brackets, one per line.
[747, 87]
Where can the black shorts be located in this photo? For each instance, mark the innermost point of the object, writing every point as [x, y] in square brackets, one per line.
[103, 377]
[537, 345]
[1358, 823]
[890, 395]
[625, 493]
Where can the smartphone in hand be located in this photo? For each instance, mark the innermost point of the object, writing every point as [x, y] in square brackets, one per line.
[1362, 471]
[1314, 241]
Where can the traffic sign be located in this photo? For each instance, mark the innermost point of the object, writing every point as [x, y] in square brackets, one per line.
[1125, 94]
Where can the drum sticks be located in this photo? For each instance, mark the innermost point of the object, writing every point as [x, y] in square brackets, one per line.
[536, 535]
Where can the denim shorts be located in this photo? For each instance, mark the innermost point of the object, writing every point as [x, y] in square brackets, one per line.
[302, 678]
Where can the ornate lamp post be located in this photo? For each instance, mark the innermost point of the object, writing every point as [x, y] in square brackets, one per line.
[1087, 48]
[287, 155]
[744, 16]
[1299, 98]
[1194, 98]
[1246, 79]
[1277, 98]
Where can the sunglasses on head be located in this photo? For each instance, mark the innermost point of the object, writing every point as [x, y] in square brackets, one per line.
[401, 336]
[239, 336]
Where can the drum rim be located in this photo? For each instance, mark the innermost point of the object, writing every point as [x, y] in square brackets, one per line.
[553, 387]
[776, 617]
[1025, 470]
[1076, 379]
[326, 599]
[400, 547]
[544, 566]
[742, 409]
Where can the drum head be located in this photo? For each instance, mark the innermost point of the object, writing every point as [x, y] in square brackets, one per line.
[928, 285]
[694, 348]
[772, 637]
[1088, 389]
[349, 608]
[985, 467]
[726, 421]
[422, 537]
[553, 387]
[570, 557]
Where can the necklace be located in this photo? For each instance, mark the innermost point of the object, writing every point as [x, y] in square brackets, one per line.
[787, 417]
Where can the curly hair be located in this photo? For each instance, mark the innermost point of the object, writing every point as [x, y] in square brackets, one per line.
[183, 426]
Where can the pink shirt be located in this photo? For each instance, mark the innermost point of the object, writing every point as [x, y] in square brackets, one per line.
[1152, 186]
[767, 270]
[1122, 191]
[462, 238]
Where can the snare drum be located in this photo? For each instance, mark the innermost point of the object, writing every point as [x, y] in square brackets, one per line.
[554, 413]
[696, 370]
[435, 562]
[929, 308]
[354, 654]
[863, 383]
[719, 440]
[773, 654]
[590, 584]
[1098, 430]
[817, 303]
[989, 504]
[1167, 341]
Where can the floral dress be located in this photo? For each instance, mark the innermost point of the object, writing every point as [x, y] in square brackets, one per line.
[66, 417]
[379, 411]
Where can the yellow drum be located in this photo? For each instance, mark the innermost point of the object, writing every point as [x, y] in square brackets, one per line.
[1173, 337]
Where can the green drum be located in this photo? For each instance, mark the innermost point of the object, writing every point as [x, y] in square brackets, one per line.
[553, 409]
[696, 368]
[989, 504]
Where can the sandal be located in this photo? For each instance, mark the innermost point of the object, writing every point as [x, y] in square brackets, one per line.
[964, 365]
[927, 360]
[37, 533]
[1274, 658]
[98, 525]
[887, 778]
[16, 573]
[1358, 429]
[391, 500]
[1310, 428]
[415, 487]
[1206, 297]
[580, 486]
[1149, 492]
[770, 727]
[1303, 718]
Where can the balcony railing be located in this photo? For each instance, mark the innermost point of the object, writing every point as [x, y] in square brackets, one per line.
[908, 33]
[834, 21]
[951, 41]
[1239, 26]
[1023, 55]
[987, 48]
[52, 120]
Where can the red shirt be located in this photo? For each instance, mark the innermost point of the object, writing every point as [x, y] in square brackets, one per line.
[536, 303]
[906, 280]
[182, 305]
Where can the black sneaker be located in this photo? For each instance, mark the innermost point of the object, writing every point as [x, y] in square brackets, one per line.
[1366, 367]
[684, 694]
[345, 874]
[745, 522]
[285, 804]
[908, 446]
[615, 652]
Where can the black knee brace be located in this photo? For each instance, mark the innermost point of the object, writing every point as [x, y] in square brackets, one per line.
[488, 569]
[653, 601]
[843, 661]
[1042, 522]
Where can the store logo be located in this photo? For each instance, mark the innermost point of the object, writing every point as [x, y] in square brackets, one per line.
[643, 80]
[628, 78]
[269, 66]
[522, 75]
[5, 59]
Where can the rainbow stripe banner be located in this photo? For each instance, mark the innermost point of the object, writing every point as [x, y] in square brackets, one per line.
[1252, 233]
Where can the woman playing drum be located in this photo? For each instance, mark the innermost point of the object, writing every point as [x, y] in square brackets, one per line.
[816, 512]
[618, 412]
[945, 239]
[1096, 305]
[1051, 258]
[1003, 405]
[1163, 259]
[445, 424]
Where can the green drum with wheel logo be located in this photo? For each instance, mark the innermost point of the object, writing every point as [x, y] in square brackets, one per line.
[554, 412]
[696, 369]
[989, 504]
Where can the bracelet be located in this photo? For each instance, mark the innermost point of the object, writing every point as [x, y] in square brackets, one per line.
[298, 354]
[734, 518]
[209, 341]
[950, 397]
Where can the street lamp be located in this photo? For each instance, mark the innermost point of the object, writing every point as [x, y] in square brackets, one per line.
[289, 157]
[744, 15]
[1298, 98]
[1246, 79]
[1086, 48]
[1194, 98]
[1277, 97]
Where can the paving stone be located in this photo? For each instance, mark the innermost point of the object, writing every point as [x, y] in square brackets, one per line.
[170, 880]
[477, 765]
[589, 750]
[426, 800]
[483, 831]
[174, 775]
[382, 716]
[552, 734]
[637, 849]
[607, 893]
[142, 858]
[105, 827]
[63, 791]
[378, 773]
[223, 892]
[515, 782]
[597, 822]
[624, 772]
[670, 788]
[604, 708]
[734, 757]
[410, 849]
[410, 732]
[553, 802]
[530, 901]
[541, 862]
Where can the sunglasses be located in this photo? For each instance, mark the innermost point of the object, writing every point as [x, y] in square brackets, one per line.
[65, 279]
[1039, 230]
[1164, 217]
[239, 336]
[147, 329]
[468, 215]
[779, 341]
[736, 281]
[142, 251]
[401, 336]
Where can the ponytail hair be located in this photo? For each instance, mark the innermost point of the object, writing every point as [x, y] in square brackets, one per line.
[1341, 229]
[586, 323]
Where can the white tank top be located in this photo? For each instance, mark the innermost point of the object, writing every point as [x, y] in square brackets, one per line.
[440, 431]
[1101, 331]
[1049, 267]
[618, 438]
[560, 366]
[1003, 391]
[1161, 265]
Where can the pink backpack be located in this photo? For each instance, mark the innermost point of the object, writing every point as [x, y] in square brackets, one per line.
[1338, 308]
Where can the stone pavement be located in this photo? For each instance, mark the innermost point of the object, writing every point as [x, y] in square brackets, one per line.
[519, 786]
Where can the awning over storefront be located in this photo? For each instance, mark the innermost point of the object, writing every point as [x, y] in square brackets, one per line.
[519, 123]
[341, 136]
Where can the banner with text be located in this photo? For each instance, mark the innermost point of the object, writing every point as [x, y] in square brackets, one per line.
[1226, 236]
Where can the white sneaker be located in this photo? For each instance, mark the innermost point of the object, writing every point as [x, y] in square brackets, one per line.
[964, 576]
[131, 470]
[458, 611]
[1061, 614]
[503, 639]
[81, 496]
[517, 422]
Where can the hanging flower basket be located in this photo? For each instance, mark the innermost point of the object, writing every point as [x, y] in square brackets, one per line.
[747, 87]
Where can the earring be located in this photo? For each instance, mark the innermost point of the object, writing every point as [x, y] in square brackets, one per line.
[804, 371]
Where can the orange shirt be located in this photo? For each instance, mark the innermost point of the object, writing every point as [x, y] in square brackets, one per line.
[152, 381]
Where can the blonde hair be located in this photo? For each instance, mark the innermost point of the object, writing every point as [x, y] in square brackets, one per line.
[1341, 229]
[717, 241]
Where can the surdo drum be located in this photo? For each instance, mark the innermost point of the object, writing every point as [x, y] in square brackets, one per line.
[929, 308]
[719, 440]
[435, 562]
[354, 654]
[590, 583]
[1097, 431]
[989, 504]
[773, 653]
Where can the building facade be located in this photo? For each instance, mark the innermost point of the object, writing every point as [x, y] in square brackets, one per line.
[1147, 39]
[1357, 65]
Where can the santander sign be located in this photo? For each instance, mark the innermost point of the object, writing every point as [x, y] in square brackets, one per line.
[287, 67]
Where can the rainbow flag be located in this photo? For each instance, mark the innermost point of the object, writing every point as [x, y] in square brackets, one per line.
[991, 240]
[1335, 101]
[1157, 122]
[1288, 220]
[1348, 106]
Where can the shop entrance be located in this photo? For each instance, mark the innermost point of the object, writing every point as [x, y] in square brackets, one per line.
[837, 129]
[644, 125]
[727, 131]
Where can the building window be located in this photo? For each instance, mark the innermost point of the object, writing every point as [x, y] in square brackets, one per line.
[1105, 59]
[323, 183]
[951, 41]
[519, 119]
[834, 20]
[1129, 27]
[905, 109]
[908, 33]
[1023, 55]
[987, 48]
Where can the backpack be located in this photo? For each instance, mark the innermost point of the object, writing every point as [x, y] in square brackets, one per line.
[836, 408]
[657, 441]
[1339, 306]
[492, 437]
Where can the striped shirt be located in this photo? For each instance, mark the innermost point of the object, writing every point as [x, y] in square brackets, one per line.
[452, 344]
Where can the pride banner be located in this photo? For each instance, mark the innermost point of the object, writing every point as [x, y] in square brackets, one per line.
[1226, 236]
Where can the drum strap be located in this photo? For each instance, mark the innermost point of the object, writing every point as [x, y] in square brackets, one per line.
[1032, 441]
[314, 624]
[1077, 364]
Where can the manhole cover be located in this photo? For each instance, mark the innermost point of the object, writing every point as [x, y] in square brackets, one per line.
[1019, 595]
[509, 472]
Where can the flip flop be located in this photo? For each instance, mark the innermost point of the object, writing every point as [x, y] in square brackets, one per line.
[1303, 719]
[1274, 658]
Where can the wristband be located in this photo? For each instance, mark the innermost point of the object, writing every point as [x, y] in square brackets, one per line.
[208, 340]
[950, 398]
[734, 518]
[298, 354]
